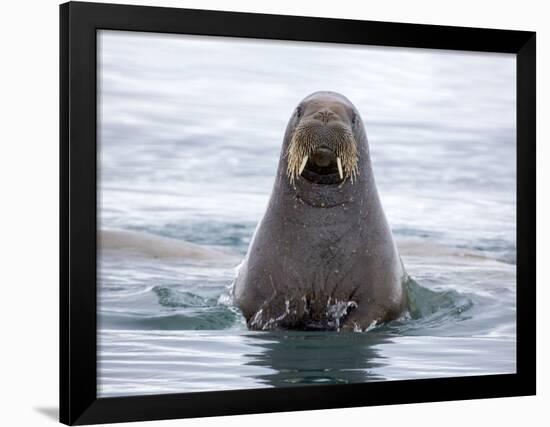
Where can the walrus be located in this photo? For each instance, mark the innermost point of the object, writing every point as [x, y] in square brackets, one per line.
[323, 256]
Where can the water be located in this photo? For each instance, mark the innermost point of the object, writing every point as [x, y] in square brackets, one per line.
[190, 134]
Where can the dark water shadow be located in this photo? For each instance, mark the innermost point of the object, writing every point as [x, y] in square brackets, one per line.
[302, 358]
[49, 412]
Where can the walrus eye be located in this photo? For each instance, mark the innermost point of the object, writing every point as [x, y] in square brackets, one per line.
[353, 119]
[299, 112]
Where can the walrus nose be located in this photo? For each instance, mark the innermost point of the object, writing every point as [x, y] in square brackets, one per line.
[323, 157]
[325, 115]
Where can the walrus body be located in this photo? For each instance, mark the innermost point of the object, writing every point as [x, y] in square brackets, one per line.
[323, 256]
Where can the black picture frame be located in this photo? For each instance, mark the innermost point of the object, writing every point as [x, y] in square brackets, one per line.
[79, 23]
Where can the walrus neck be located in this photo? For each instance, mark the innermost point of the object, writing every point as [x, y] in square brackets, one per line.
[322, 196]
[308, 204]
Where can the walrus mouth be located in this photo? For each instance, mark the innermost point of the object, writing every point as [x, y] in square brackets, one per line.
[323, 155]
[323, 167]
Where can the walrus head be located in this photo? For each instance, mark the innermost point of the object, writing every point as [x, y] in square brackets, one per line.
[323, 147]
[325, 152]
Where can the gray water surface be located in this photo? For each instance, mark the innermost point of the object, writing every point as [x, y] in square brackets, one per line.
[190, 132]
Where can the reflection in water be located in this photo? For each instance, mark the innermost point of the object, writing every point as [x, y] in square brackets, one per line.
[318, 358]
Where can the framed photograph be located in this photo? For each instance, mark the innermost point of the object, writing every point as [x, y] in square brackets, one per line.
[267, 213]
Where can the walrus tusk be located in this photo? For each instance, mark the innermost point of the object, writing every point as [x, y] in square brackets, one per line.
[303, 165]
[339, 163]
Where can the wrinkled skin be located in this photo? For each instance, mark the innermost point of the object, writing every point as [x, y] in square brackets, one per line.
[323, 256]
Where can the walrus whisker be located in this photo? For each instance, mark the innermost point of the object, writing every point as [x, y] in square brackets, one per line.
[304, 141]
[339, 163]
